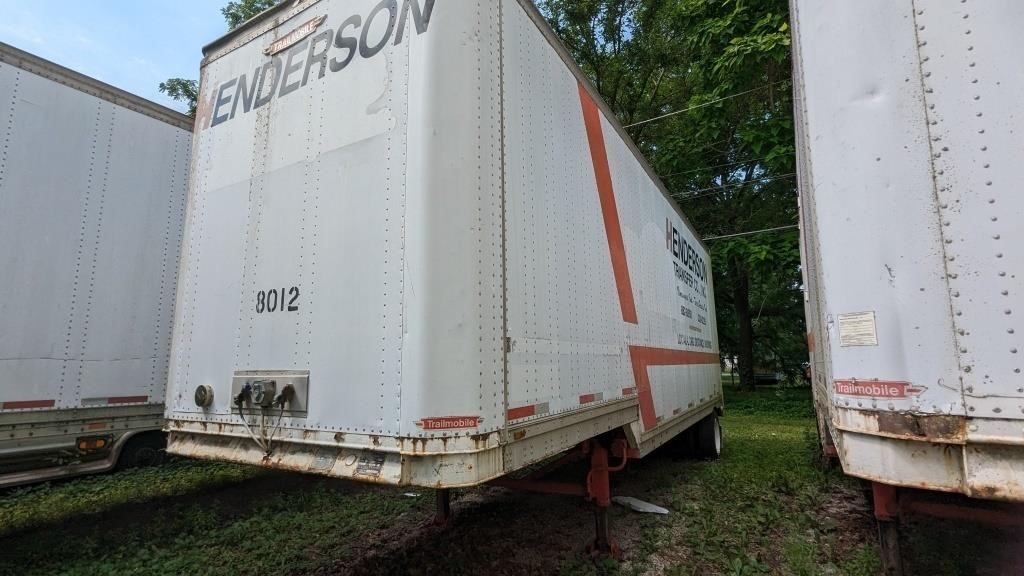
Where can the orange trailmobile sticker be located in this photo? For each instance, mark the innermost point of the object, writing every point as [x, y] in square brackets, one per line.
[449, 422]
[876, 388]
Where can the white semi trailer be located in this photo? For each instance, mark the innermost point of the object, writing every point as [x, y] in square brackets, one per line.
[910, 131]
[420, 250]
[92, 200]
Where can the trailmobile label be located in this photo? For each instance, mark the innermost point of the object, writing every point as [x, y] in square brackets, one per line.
[876, 388]
[449, 422]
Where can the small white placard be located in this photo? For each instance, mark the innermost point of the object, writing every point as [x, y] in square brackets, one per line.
[857, 329]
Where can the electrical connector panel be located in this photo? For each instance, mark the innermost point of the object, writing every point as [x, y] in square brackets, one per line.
[272, 383]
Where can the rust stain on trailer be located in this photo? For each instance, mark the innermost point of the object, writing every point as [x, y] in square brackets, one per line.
[928, 427]
[339, 437]
[480, 441]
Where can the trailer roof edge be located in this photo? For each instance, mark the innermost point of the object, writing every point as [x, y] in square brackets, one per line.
[88, 85]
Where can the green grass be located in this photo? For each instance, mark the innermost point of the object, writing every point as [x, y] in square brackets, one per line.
[756, 510]
[43, 503]
[190, 518]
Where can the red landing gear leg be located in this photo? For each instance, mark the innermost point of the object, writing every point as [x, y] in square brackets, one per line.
[600, 491]
[596, 489]
[887, 513]
[443, 513]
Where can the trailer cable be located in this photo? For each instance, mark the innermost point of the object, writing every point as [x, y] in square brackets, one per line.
[270, 441]
[240, 403]
[286, 395]
[252, 435]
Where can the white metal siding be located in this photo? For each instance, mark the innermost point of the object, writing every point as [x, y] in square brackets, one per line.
[973, 88]
[92, 200]
[387, 219]
[909, 132]
[569, 336]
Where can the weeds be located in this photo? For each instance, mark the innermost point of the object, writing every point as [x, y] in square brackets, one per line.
[757, 509]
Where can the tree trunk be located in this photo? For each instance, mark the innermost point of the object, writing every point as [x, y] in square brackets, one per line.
[741, 300]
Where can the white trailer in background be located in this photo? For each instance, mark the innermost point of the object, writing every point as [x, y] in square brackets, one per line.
[911, 129]
[420, 251]
[92, 200]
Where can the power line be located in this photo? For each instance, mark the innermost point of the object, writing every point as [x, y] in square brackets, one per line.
[738, 94]
[723, 187]
[736, 163]
[790, 227]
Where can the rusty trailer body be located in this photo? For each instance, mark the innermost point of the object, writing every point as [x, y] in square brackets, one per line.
[420, 250]
[92, 189]
[910, 128]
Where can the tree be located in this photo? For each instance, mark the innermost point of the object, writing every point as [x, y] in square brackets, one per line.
[180, 89]
[235, 14]
[717, 75]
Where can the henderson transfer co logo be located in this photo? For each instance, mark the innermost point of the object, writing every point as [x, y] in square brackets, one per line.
[307, 53]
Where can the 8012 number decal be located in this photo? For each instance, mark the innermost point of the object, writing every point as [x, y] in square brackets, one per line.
[285, 300]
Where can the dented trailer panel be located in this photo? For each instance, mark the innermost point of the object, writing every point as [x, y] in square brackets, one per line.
[92, 183]
[421, 216]
[908, 139]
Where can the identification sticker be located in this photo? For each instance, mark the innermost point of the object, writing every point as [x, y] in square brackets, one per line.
[858, 329]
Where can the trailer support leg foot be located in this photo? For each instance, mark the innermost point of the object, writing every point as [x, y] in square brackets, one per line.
[889, 542]
[599, 490]
[443, 513]
[887, 512]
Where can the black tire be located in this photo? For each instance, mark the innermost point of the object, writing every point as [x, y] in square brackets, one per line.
[141, 450]
[708, 436]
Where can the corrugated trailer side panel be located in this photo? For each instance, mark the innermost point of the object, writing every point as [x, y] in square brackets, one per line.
[597, 313]
[907, 192]
[92, 197]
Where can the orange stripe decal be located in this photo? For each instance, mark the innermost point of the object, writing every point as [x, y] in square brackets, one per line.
[606, 193]
[127, 399]
[521, 412]
[642, 358]
[26, 404]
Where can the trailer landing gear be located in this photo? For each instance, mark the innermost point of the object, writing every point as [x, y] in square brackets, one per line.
[887, 513]
[596, 488]
[443, 512]
[892, 503]
[600, 492]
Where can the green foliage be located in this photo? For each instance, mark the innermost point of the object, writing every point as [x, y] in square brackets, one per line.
[182, 90]
[235, 14]
[727, 152]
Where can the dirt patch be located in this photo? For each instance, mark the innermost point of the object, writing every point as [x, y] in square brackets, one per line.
[847, 514]
[494, 531]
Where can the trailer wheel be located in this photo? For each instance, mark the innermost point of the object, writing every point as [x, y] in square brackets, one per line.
[141, 450]
[708, 435]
